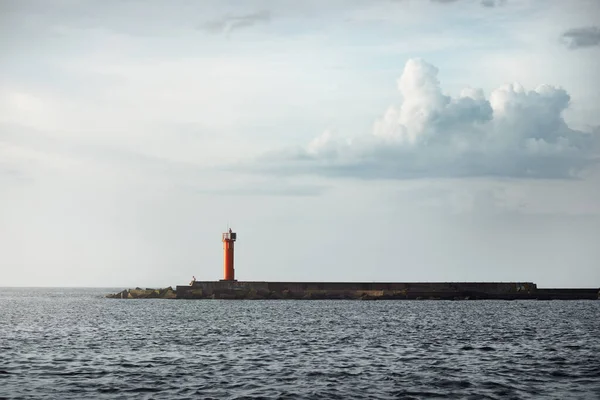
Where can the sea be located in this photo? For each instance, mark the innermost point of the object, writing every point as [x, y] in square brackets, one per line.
[75, 344]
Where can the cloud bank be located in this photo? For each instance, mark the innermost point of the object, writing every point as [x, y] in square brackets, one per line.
[515, 133]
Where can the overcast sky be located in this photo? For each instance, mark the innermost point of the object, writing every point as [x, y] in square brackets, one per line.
[344, 140]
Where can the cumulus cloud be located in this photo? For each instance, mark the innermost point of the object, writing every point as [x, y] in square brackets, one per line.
[513, 133]
[582, 37]
[230, 23]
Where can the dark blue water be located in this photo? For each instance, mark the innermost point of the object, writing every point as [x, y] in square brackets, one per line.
[73, 343]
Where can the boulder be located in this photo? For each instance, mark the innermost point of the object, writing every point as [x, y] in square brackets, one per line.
[139, 293]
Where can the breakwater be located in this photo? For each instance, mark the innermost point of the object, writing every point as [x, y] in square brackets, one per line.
[262, 290]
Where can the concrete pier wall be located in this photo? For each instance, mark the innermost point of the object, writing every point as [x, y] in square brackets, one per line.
[377, 290]
[568, 294]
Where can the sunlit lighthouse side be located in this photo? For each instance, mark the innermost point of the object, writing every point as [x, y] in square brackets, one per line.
[228, 242]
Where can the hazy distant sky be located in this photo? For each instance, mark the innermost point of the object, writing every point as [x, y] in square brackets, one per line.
[371, 140]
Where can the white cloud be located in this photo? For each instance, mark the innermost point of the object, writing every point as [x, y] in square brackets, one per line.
[516, 133]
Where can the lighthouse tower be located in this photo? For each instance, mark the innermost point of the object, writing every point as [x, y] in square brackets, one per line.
[228, 241]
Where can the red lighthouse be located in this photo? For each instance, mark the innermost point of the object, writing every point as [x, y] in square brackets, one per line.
[228, 241]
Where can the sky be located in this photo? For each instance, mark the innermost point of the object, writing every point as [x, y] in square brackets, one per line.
[346, 140]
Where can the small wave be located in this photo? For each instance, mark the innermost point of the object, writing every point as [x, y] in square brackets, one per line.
[448, 384]
[109, 390]
[129, 365]
[145, 390]
[573, 347]
[417, 394]
[560, 374]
